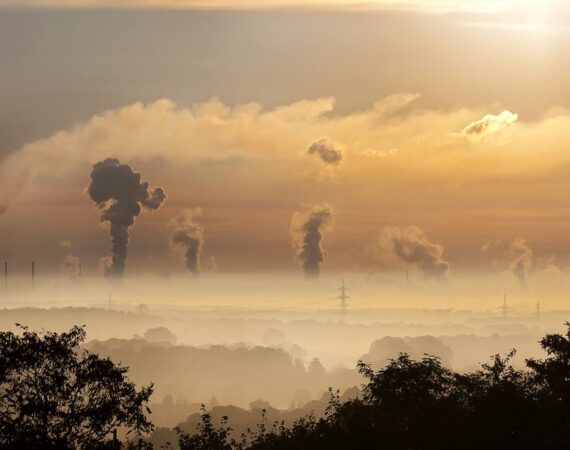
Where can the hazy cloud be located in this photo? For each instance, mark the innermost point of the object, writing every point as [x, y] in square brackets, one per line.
[307, 230]
[394, 103]
[65, 243]
[489, 124]
[214, 131]
[421, 5]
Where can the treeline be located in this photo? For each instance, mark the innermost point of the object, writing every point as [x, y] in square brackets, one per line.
[420, 404]
[53, 395]
[240, 419]
[237, 374]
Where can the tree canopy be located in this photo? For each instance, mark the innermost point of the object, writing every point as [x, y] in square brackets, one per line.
[53, 394]
[421, 405]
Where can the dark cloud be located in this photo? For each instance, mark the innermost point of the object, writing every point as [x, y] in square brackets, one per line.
[188, 234]
[119, 193]
[307, 229]
[327, 151]
[412, 247]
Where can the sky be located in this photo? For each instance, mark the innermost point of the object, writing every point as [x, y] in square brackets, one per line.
[350, 136]
[429, 6]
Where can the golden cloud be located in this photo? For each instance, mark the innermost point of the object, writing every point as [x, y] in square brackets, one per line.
[384, 142]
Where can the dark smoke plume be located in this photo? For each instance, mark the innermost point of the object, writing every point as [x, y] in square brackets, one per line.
[119, 193]
[327, 151]
[188, 234]
[307, 229]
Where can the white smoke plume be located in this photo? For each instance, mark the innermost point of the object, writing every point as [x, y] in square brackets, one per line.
[188, 234]
[514, 255]
[307, 230]
[410, 247]
[71, 264]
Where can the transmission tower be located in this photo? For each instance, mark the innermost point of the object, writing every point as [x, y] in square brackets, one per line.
[505, 309]
[343, 298]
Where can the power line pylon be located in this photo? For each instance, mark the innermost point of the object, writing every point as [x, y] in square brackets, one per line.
[505, 309]
[343, 298]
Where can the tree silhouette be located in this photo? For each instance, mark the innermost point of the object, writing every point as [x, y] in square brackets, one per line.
[208, 436]
[55, 395]
[420, 405]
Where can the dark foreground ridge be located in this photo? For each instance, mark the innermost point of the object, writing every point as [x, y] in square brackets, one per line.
[53, 395]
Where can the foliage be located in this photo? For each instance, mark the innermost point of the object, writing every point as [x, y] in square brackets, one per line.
[419, 404]
[208, 436]
[55, 395]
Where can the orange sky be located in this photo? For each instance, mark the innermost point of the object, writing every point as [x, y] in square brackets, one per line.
[457, 125]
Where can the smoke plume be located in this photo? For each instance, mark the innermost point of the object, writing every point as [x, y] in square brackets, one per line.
[119, 193]
[212, 264]
[307, 230]
[188, 234]
[513, 255]
[412, 247]
[71, 264]
[327, 152]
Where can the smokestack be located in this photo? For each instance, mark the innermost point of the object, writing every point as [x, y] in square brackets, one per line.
[33, 274]
[5, 274]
